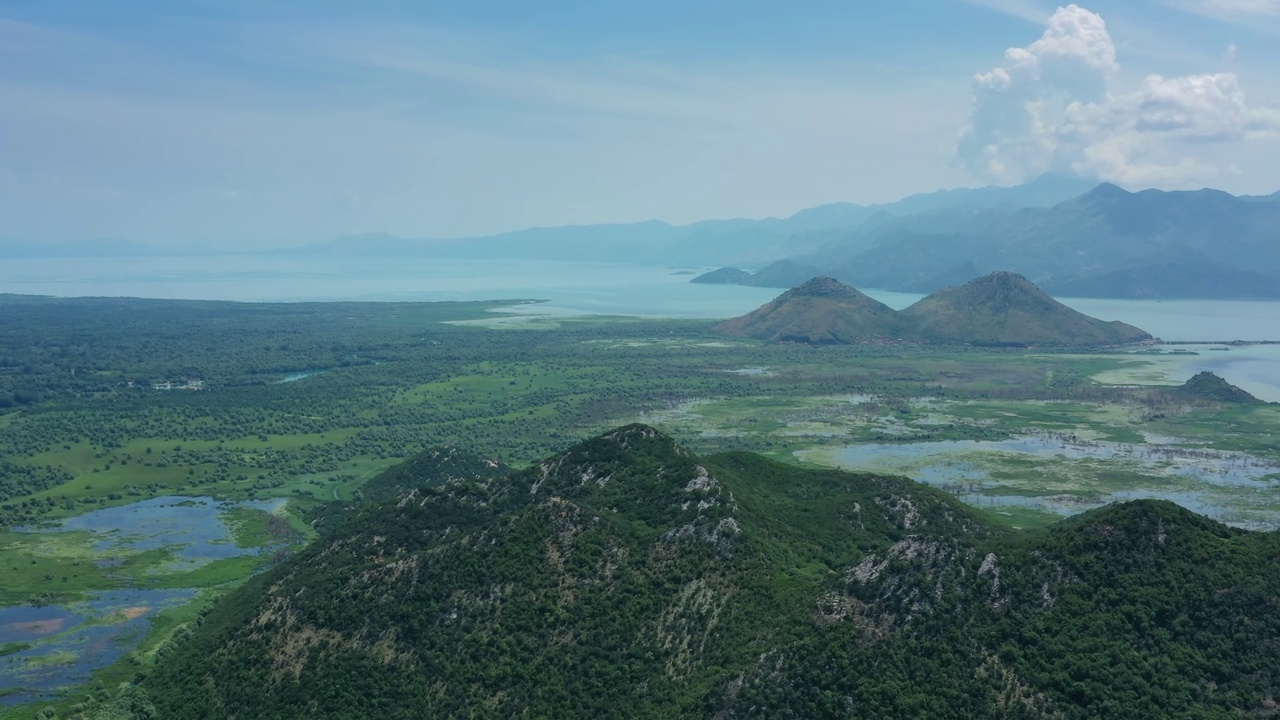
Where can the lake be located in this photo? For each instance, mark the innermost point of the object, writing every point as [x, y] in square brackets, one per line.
[65, 643]
[1072, 476]
[577, 288]
[595, 289]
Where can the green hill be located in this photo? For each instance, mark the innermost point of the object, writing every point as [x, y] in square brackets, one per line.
[821, 311]
[429, 468]
[1005, 309]
[1000, 309]
[627, 577]
[1208, 386]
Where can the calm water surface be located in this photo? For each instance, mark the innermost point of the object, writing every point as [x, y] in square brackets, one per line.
[576, 288]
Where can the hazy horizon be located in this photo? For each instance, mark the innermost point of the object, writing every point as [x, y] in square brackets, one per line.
[236, 124]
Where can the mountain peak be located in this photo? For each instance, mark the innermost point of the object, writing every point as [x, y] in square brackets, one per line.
[821, 311]
[1107, 190]
[636, 433]
[1007, 279]
[824, 287]
[1001, 291]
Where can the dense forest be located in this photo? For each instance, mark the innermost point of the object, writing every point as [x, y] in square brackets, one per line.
[629, 577]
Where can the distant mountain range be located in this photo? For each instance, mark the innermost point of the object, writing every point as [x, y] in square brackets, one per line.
[1002, 309]
[1065, 234]
[1107, 242]
[710, 242]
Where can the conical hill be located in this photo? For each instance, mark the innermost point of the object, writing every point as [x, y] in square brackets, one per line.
[822, 311]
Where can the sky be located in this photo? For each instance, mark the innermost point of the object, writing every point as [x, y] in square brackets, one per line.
[257, 123]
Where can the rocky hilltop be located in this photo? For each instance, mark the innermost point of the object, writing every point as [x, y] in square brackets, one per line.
[1000, 309]
[628, 577]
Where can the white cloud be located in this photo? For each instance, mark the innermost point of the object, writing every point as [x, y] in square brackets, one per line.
[1051, 107]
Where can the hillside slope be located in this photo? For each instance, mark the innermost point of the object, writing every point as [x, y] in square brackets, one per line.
[1000, 309]
[627, 577]
[1207, 386]
[429, 468]
[1005, 309]
[821, 311]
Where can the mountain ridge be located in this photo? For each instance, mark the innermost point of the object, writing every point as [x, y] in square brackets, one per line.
[1105, 243]
[627, 576]
[715, 242]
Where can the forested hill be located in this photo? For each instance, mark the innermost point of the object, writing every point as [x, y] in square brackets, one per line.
[403, 482]
[628, 577]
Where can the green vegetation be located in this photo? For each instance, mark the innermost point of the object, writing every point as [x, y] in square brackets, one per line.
[629, 577]
[1207, 386]
[87, 430]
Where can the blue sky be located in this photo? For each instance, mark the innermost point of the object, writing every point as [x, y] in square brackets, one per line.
[274, 122]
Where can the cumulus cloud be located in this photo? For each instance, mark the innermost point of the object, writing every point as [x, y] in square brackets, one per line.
[1050, 106]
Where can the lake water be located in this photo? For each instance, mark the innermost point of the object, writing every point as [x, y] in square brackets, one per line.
[1230, 487]
[568, 288]
[191, 528]
[68, 642]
